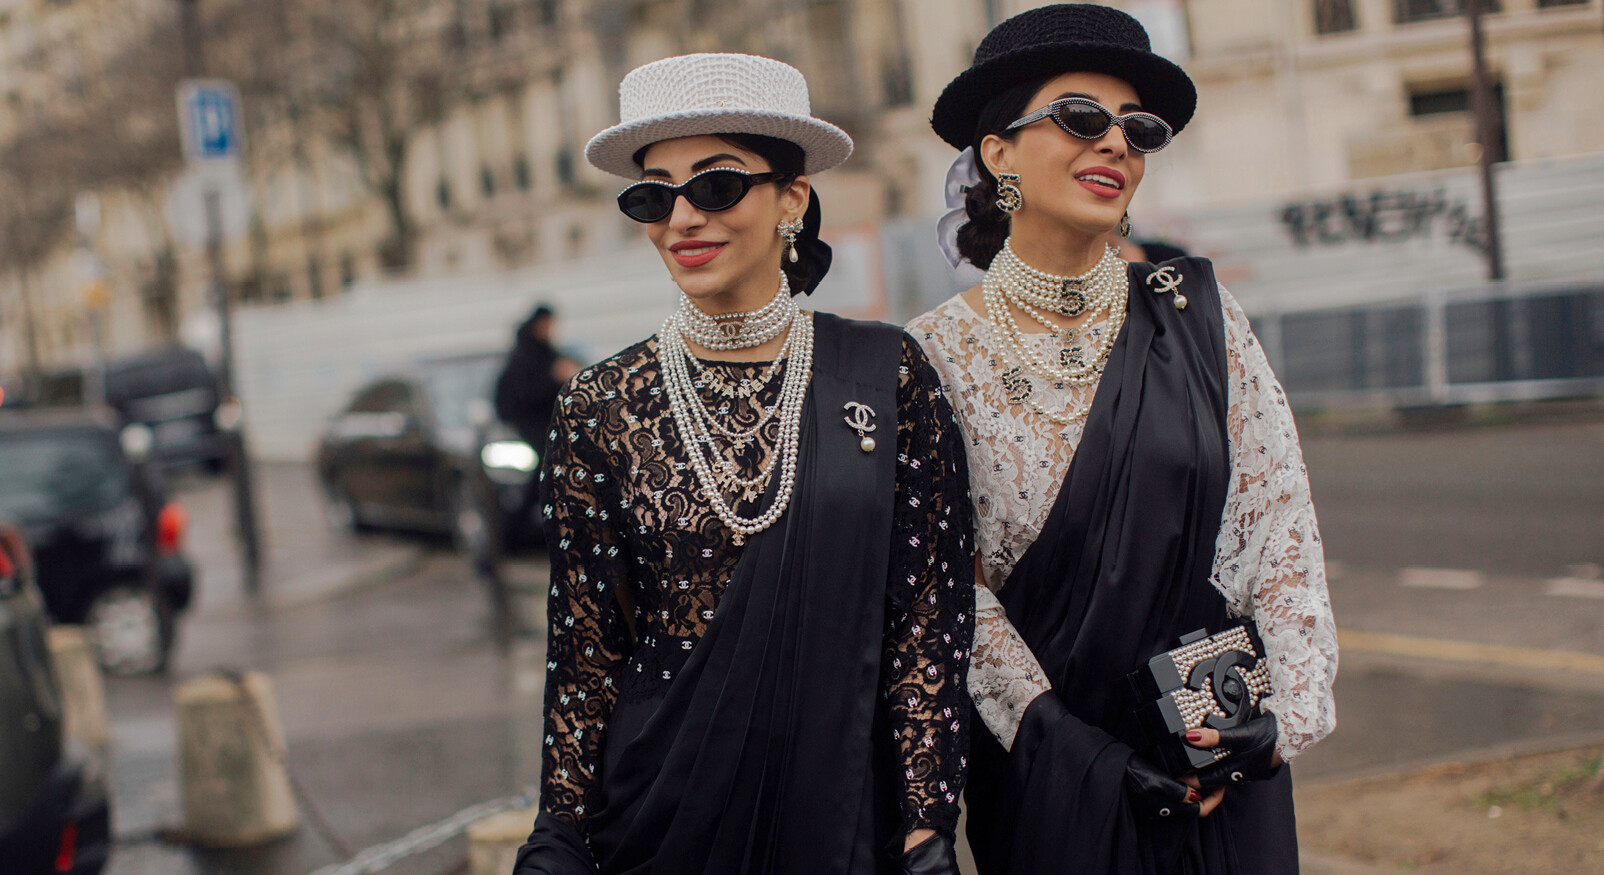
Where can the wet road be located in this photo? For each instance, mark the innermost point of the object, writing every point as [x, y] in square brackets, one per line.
[400, 708]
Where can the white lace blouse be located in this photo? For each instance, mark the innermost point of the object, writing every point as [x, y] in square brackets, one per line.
[1267, 561]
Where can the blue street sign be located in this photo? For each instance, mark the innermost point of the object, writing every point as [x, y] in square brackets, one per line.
[209, 115]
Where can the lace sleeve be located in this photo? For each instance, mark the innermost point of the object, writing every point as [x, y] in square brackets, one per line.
[1268, 560]
[587, 638]
[930, 609]
[1004, 677]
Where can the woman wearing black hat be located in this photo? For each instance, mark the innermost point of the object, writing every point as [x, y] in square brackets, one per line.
[760, 611]
[1136, 477]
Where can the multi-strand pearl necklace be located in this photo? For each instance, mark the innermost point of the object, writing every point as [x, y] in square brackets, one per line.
[701, 430]
[1098, 294]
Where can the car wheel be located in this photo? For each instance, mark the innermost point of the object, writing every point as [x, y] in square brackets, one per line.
[472, 529]
[132, 628]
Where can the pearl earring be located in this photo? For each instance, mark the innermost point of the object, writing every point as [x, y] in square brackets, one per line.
[789, 229]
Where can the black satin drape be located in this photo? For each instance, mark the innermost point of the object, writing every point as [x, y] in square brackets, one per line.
[761, 758]
[1120, 571]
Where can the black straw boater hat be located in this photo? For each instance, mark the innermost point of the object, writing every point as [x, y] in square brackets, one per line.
[1063, 38]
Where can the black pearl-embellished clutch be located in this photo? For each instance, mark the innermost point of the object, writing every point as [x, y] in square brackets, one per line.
[1216, 681]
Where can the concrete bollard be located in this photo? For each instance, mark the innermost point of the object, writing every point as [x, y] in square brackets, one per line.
[493, 843]
[236, 790]
[83, 689]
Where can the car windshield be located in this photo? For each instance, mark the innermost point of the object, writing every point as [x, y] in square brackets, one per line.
[46, 474]
[143, 378]
[453, 384]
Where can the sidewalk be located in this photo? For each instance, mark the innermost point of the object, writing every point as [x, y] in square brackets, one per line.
[302, 560]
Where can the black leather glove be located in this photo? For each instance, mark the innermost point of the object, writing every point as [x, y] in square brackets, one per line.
[1155, 794]
[933, 856]
[1252, 754]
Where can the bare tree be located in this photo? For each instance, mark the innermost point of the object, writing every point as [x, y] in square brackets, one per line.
[361, 77]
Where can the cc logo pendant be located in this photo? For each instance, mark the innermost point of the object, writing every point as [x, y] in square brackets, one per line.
[1168, 279]
[858, 420]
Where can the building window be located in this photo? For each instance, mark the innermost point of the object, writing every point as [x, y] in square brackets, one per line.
[347, 270]
[1334, 16]
[520, 173]
[1444, 101]
[1544, 4]
[500, 21]
[1406, 11]
[314, 276]
[442, 193]
[565, 167]
[487, 182]
[546, 12]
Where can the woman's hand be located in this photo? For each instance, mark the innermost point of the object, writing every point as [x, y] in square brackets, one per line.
[1253, 755]
[926, 853]
[1153, 793]
[1210, 801]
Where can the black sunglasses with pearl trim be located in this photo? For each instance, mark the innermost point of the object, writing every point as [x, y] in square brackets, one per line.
[710, 191]
[1090, 120]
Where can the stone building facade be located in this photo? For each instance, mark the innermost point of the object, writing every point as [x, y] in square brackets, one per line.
[1294, 95]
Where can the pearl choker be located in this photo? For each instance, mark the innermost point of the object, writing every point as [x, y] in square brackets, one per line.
[738, 330]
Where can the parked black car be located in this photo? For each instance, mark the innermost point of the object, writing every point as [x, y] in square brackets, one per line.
[106, 543]
[422, 451]
[172, 392]
[54, 808]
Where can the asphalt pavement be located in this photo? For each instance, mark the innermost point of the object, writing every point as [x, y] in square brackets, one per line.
[1464, 574]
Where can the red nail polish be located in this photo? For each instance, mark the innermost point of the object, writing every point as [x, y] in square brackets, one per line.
[1193, 797]
[1195, 735]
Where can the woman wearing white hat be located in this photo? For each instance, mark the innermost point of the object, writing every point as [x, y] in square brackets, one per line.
[1136, 478]
[759, 525]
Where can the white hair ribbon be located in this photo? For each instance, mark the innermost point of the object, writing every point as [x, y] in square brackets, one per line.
[960, 176]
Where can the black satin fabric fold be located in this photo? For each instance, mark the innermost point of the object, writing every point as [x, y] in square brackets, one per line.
[762, 755]
[1119, 572]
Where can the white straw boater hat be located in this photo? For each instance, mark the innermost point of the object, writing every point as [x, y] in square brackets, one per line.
[689, 95]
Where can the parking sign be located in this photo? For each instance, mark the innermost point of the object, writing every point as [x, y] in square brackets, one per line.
[209, 119]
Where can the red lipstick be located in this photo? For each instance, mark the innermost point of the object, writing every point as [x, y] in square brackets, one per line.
[695, 253]
[1100, 187]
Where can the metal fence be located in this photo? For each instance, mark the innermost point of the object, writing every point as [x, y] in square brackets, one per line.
[1491, 343]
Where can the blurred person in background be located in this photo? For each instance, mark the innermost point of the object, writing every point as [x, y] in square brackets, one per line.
[760, 611]
[527, 387]
[1135, 471]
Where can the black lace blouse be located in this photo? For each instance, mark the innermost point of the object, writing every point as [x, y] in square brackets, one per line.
[639, 562]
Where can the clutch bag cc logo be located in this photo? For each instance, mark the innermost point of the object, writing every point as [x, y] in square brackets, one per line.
[1167, 278]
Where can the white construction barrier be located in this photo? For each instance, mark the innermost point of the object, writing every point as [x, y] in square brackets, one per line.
[83, 689]
[493, 842]
[236, 788]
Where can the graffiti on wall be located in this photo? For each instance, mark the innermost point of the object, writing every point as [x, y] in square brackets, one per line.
[1383, 217]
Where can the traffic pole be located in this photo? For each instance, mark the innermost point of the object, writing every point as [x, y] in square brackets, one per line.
[245, 524]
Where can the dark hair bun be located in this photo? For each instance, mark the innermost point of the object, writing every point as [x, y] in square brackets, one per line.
[982, 237]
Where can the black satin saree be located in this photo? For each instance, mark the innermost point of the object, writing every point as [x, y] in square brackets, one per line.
[1119, 572]
[762, 757]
